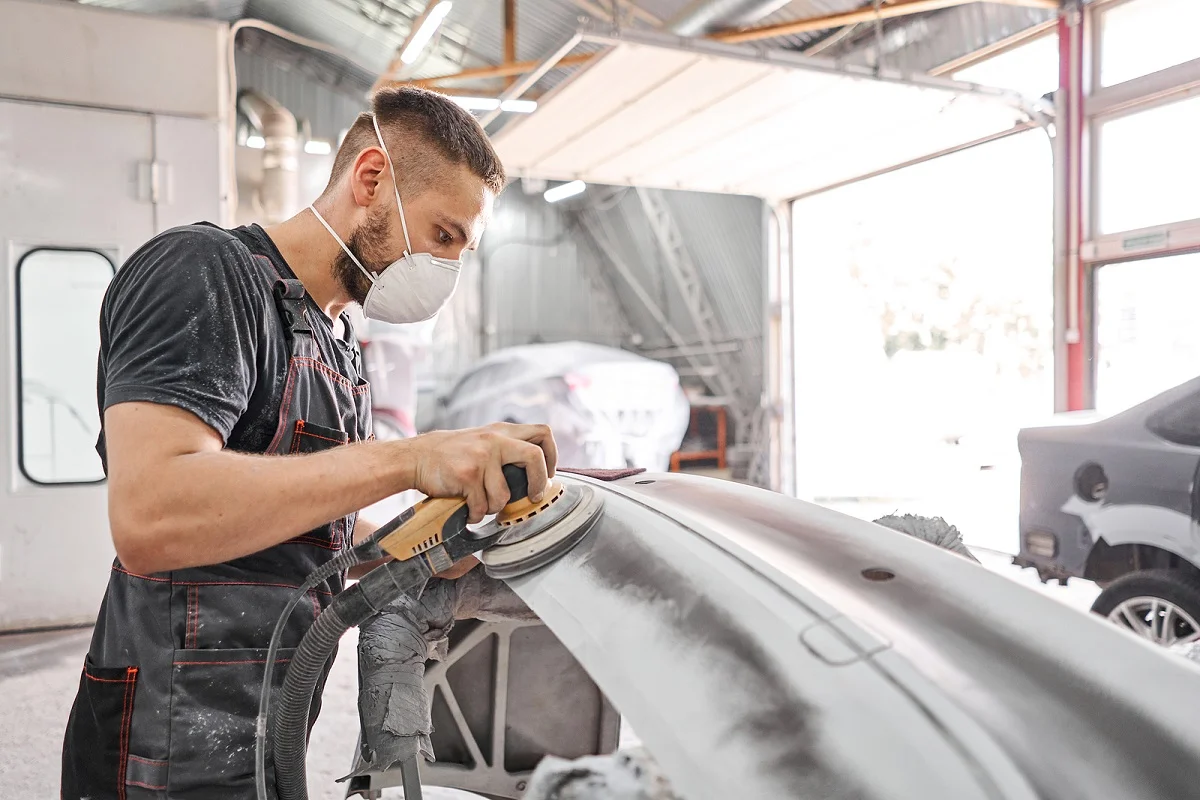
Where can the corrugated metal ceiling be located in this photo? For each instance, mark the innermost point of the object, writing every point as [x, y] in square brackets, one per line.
[368, 32]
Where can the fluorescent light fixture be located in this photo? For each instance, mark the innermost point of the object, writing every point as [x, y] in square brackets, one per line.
[257, 142]
[318, 147]
[519, 106]
[491, 104]
[424, 33]
[564, 191]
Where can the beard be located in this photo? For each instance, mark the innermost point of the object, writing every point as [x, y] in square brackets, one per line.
[363, 243]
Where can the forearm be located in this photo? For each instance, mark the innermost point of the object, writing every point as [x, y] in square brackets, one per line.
[211, 507]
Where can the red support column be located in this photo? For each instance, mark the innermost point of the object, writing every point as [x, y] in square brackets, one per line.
[1076, 328]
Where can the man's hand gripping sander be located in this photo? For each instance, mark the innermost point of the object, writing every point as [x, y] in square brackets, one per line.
[426, 539]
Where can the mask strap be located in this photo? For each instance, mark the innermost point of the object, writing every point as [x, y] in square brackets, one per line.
[333, 233]
[395, 184]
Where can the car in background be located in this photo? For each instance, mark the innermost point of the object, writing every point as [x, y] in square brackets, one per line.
[609, 408]
[1116, 500]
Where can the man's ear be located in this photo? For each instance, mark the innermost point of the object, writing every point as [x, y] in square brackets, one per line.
[365, 177]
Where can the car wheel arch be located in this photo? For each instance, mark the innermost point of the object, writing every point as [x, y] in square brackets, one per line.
[1108, 562]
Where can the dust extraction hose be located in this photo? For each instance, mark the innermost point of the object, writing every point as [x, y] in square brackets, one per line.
[295, 699]
[351, 607]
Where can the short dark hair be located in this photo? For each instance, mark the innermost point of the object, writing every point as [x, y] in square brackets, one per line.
[418, 123]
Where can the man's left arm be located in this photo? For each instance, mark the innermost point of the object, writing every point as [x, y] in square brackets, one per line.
[363, 529]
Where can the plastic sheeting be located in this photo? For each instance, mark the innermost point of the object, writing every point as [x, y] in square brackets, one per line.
[393, 703]
[608, 408]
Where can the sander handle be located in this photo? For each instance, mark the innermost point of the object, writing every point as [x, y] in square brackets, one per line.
[438, 519]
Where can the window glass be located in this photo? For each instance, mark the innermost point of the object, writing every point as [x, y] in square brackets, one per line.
[1179, 422]
[59, 296]
[923, 307]
[1031, 68]
[924, 336]
[1147, 339]
[1150, 167]
[1144, 36]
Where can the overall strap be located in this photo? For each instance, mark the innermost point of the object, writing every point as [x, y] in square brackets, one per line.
[289, 299]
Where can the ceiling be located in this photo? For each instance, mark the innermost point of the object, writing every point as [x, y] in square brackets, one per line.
[655, 111]
[368, 32]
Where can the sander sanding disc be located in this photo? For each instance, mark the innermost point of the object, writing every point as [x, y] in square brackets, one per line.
[533, 544]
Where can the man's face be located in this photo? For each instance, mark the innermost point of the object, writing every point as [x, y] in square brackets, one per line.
[445, 217]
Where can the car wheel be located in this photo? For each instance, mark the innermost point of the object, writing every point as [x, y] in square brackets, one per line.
[1162, 605]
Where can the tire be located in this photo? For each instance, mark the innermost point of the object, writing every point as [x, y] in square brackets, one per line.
[1131, 598]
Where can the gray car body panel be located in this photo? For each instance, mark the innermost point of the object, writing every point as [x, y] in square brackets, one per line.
[1150, 487]
[735, 630]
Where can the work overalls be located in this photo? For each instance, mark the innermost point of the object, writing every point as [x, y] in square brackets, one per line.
[169, 693]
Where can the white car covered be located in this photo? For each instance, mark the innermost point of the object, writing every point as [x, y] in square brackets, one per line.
[608, 408]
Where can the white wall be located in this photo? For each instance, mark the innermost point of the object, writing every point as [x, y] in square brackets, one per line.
[69, 53]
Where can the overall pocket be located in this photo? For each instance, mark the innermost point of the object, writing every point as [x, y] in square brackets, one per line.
[214, 709]
[97, 751]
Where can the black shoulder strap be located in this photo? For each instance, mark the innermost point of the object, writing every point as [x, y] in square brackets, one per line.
[289, 299]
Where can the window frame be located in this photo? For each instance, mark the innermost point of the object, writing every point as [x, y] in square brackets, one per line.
[20, 372]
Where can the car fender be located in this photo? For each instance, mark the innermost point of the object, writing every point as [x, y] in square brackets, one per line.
[1126, 524]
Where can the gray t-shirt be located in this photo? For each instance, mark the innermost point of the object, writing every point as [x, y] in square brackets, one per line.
[190, 321]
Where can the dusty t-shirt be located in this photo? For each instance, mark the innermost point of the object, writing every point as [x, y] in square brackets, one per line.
[190, 321]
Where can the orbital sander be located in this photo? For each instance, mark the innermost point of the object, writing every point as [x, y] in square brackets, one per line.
[523, 537]
[425, 540]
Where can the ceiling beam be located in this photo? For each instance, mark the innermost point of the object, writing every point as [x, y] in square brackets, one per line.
[510, 36]
[494, 71]
[868, 13]
[511, 68]
[631, 9]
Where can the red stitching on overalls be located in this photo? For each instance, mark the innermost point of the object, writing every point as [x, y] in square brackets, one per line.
[144, 785]
[324, 438]
[92, 677]
[329, 371]
[244, 583]
[314, 541]
[193, 617]
[284, 405]
[143, 577]
[126, 721]
[225, 663]
[154, 762]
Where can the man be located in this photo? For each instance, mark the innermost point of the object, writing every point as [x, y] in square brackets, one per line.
[236, 439]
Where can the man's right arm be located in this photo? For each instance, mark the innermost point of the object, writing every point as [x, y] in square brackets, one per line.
[177, 499]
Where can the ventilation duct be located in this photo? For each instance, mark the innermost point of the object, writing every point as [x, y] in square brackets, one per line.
[280, 192]
[708, 16]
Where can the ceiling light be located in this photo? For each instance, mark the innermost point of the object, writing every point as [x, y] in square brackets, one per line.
[564, 191]
[519, 106]
[491, 104]
[476, 103]
[257, 142]
[318, 147]
[424, 33]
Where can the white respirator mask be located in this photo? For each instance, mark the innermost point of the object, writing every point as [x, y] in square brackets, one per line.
[413, 288]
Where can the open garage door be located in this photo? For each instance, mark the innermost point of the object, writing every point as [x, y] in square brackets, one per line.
[664, 112]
